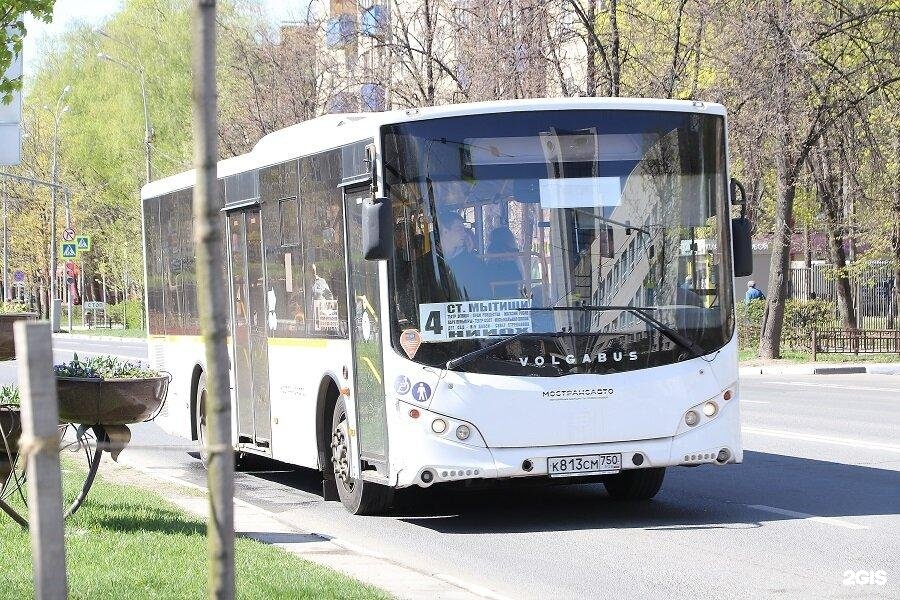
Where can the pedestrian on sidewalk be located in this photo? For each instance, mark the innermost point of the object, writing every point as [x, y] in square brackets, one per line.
[753, 292]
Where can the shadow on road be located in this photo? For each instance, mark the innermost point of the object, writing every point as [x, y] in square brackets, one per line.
[703, 497]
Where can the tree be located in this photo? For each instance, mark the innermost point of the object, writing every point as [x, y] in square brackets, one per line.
[801, 67]
[12, 34]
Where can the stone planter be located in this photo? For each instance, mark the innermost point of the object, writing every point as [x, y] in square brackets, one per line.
[11, 427]
[7, 342]
[110, 401]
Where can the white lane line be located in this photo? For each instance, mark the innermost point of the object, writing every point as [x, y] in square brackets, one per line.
[823, 439]
[799, 515]
[754, 401]
[835, 386]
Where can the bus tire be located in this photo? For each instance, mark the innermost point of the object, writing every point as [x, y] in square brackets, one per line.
[200, 419]
[202, 425]
[635, 484]
[358, 496]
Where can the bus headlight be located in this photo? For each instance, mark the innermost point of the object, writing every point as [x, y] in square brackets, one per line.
[691, 418]
[449, 429]
[710, 409]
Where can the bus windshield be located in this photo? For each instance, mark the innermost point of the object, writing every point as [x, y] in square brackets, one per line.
[566, 229]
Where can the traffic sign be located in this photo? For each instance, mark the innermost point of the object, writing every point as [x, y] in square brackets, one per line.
[19, 276]
[68, 250]
[94, 305]
[69, 234]
[84, 243]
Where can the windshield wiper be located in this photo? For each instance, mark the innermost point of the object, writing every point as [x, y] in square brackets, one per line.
[640, 313]
[468, 357]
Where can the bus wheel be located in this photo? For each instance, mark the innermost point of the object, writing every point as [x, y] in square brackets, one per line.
[636, 484]
[240, 460]
[200, 417]
[358, 496]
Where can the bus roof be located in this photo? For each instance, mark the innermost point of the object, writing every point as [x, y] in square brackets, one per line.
[335, 130]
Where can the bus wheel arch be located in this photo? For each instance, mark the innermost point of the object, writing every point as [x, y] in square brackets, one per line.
[326, 399]
[195, 382]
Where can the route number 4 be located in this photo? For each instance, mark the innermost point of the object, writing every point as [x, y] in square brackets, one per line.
[433, 322]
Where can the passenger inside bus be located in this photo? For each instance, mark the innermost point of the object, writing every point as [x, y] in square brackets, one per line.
[448, 269]
[503, 265]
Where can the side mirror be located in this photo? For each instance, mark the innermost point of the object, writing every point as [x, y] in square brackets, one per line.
[741, 235]
[377, 232]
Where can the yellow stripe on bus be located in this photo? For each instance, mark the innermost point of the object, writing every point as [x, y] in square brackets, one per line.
[372, 368]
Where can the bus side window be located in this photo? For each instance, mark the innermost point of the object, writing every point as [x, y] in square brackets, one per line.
[285, 293]
[322, 217]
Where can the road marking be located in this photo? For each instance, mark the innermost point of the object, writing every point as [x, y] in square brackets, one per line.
[800, 515]
[824, 439]
[835, 386]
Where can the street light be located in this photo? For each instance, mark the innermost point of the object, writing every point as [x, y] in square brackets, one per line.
[57, 115]
[148, 130]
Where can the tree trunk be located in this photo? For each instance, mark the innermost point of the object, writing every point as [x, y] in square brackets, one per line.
[773, 316]
[211, 286]
[842, 283]
[614, 55]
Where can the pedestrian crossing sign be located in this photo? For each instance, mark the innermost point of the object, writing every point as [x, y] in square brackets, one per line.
[68, 250]
[84, 243]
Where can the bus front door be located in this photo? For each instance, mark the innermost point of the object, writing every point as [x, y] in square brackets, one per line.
[365, 336]
[248, 314]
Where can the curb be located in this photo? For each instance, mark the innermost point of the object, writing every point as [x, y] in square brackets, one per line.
[398, 580]
[814, 369]
[97, 338]
[838, 370]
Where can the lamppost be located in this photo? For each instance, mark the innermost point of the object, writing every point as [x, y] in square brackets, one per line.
[148, 129]
[57, 116]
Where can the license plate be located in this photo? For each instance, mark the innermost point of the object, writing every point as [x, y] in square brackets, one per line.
[588, 464]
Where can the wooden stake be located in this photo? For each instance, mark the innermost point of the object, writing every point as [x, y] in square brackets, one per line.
[212, 297]
[40, 445]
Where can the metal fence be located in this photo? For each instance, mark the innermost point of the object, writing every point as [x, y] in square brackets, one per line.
[871, 289]
[884, 341]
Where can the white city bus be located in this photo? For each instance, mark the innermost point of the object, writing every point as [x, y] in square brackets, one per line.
[515, 289]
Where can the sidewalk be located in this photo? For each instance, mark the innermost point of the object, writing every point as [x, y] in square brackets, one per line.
[820, 368]
[97, 338]
[254, 522]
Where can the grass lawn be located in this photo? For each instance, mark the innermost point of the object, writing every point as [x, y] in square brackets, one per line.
[124, 333]
[129, 543]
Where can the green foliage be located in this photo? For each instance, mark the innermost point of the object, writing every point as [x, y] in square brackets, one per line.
[12, 34]
[128, 312]
[13, 307]
[104, 367]
[800, 317]
[9, 395]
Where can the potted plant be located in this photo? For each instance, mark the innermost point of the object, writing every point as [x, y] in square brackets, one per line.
[10, 312]
[10, 429]
[105, 390]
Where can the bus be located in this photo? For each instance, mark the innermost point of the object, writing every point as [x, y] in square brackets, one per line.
[461, 294]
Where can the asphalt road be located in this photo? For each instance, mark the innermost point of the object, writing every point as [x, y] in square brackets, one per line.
[818, 496]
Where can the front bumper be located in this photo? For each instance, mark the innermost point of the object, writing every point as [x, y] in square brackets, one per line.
[433, 459]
